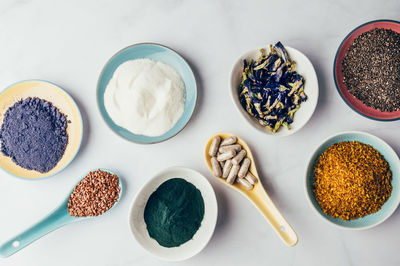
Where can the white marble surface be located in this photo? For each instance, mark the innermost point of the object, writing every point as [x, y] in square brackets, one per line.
[68, 42]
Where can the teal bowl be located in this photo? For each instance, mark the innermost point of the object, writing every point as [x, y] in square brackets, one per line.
[391, 157]
[155, 52]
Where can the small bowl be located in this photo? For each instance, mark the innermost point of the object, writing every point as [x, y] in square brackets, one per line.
[201, 237]
[304, 67]
[349, 99]
[64, 102]
[391, 157]
[155, 52]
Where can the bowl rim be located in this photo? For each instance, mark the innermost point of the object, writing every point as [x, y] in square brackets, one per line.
[233, 97]
[306, 179]
[210, 194]
[191, 110]
[81, 125]
[335, 62]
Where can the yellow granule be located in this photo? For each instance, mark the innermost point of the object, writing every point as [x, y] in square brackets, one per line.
[351, 180]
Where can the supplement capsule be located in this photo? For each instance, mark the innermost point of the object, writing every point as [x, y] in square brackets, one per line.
[227, 168]
[222, 164]
[235, 147]
[245, 183]
[237, 180]
[233, 174]
[239, 157]
[216, 167]
[226, 156]
[244, 168]
[214, 146]
[229, 141]
[251, 178]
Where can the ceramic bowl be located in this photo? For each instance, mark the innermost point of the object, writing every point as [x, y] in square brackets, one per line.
[202, 236]
[391, 157]
[350, 100]
[304, 67]
[63, 101]
[155, 52]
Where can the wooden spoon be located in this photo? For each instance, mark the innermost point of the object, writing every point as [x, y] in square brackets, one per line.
[258, 196]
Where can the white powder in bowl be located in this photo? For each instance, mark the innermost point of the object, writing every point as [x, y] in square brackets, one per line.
[146, 97]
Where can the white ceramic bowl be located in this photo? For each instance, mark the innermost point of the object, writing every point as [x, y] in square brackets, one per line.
[202, 236]
[304, 67]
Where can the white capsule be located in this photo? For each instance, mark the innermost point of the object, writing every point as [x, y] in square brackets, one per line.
[251, 178]
[229, 141]
[227, 168]
[244, 168]
[233, 174]
[245, 183]
[235, 147]
[239, 157]
[226, 155]
[216, 167]
[214, 146]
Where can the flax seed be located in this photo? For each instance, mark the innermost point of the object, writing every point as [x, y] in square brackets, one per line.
[94, 195]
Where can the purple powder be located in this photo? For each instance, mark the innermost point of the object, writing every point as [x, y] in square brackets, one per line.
[34, 134]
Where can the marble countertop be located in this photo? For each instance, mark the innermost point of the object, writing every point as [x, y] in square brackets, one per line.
[68, 43]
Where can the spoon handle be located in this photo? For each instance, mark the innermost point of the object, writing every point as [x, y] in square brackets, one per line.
[53, 221]
[274, 217]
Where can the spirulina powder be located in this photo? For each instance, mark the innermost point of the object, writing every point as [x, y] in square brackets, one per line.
[174, 212]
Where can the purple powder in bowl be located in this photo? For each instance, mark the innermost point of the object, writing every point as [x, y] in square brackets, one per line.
[34, 134]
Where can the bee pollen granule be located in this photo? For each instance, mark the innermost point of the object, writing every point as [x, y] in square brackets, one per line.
[351, 180]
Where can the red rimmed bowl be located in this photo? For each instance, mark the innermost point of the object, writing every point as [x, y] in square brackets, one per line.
[352, 101]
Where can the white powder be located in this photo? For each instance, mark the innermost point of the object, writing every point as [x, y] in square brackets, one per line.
[146, 97]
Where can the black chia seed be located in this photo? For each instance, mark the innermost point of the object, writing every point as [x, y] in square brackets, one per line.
[34, 134]
[371, 69]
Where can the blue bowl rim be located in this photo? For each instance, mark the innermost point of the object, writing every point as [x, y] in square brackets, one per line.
[306, 183]
[335, 62]
[81, 136]
[151, 44]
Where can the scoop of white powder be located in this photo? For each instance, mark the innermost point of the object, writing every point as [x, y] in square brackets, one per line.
[146, 97]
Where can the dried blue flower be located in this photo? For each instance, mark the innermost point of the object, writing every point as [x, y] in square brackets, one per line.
[270, 90]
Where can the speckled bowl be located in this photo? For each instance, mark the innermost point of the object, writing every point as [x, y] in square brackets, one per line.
[391, 157]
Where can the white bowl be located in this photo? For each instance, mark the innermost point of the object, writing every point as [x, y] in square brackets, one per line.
[201, 237]
[304, 67]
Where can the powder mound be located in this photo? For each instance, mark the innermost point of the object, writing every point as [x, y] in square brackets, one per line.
[174, 212]
[145, 97]
[34, 134]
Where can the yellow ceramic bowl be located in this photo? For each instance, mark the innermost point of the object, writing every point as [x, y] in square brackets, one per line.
[63, 101]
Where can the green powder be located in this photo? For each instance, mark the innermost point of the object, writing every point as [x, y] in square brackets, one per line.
[174, 212]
